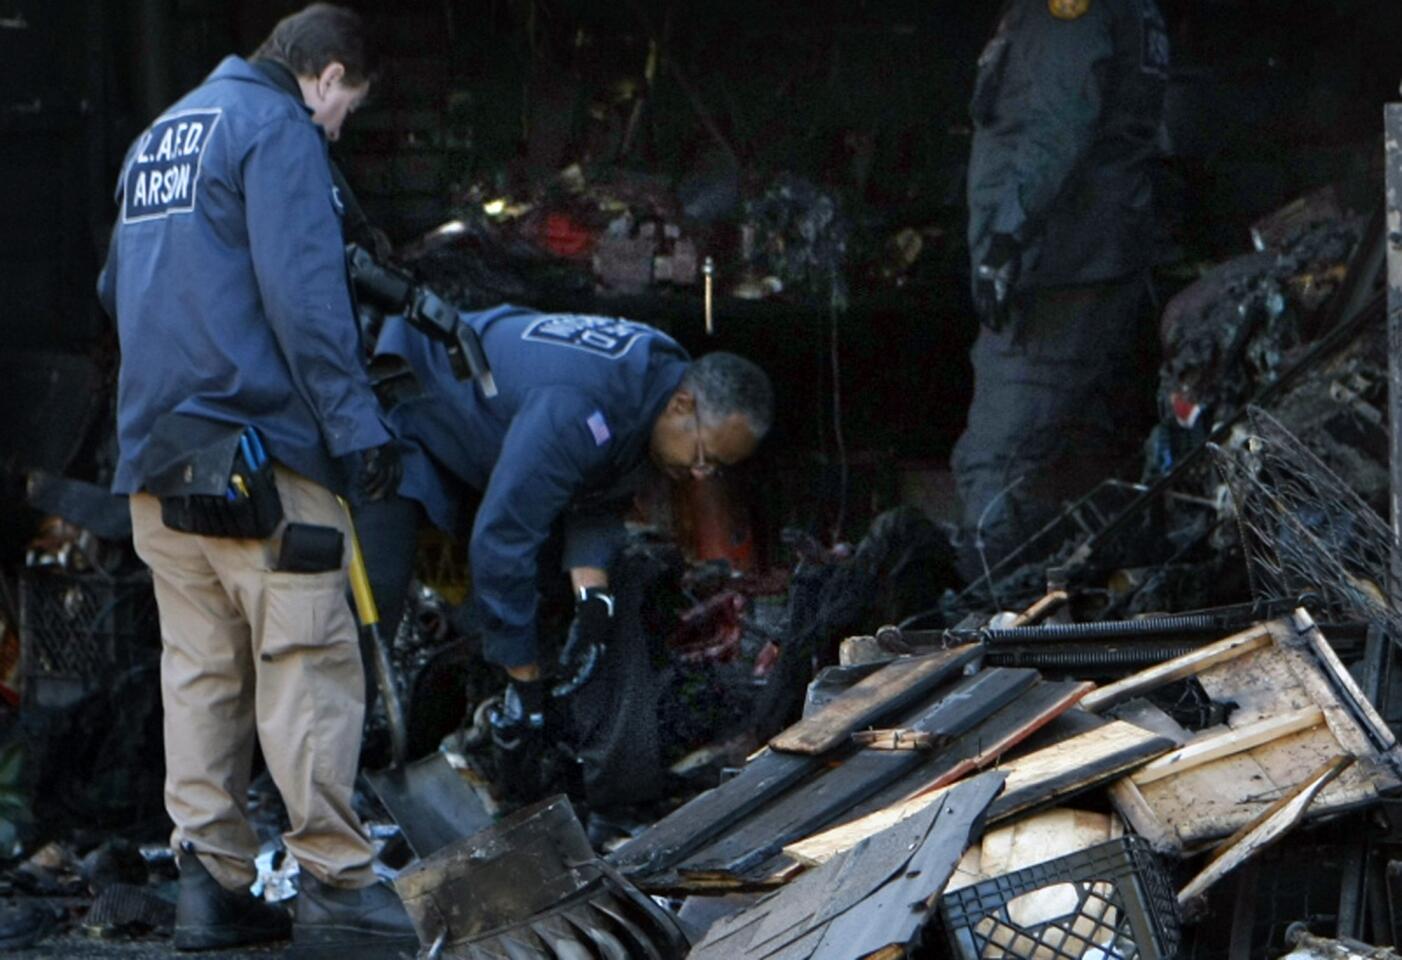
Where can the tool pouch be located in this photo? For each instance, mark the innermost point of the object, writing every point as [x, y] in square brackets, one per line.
[212, 478]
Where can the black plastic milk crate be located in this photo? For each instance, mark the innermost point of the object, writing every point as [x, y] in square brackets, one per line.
[1113, 901]
[79, 630]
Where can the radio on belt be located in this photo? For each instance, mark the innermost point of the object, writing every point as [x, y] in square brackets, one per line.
[395, 291]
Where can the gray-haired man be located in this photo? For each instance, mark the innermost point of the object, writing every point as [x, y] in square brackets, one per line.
[586, 402]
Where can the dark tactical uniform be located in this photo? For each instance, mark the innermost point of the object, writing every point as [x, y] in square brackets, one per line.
[1066, 111]
[579, 396]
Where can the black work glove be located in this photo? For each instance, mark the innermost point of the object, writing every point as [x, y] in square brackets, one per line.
[995, 279]
[518, 740]
[376, 472]
[589, 635]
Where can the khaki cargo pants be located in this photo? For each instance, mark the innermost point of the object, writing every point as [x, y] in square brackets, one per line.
[250, 652]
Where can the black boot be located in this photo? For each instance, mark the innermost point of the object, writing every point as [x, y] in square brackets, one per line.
[208, 917]
[369, 922]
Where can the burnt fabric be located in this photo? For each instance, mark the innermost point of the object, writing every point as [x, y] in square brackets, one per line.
[251, 652]
[899, 567]
[1053, 392]
[615, 729]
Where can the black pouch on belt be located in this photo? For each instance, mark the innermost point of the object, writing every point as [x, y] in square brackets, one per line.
[212, 478]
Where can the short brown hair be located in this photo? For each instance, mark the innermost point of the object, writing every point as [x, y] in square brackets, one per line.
[308, 41]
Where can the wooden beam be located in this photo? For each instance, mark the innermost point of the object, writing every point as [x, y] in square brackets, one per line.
[1185, 666]
[1041, 608]
[1214, 746]
[1367, 715]
[894, 687]
[1274, 821]
[1130, 804]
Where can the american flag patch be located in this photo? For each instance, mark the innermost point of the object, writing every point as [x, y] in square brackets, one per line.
[598, 428]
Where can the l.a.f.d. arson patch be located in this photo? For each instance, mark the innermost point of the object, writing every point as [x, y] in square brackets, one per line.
[1068, 9]
[165, 171]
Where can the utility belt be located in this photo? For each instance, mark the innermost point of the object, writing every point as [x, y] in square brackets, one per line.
[212, 478]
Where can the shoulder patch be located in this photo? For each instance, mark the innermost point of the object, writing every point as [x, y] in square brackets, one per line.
[1068, 9]
[164, 173]
[599, 427]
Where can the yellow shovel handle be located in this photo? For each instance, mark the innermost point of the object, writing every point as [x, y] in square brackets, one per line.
[359, 577]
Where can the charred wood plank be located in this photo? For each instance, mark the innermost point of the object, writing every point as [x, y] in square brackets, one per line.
[894, 687]
[818, 802]
[1045, 704]
[694, 824]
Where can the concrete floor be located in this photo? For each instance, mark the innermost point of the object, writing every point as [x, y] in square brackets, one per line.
[79, 947]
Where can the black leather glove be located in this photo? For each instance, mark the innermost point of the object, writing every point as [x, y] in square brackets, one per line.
[376, 472]
[518, 740]
[588, 637]
[995, 280]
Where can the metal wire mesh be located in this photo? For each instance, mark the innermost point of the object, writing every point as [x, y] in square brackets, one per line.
[84, 626]
[1304, 531]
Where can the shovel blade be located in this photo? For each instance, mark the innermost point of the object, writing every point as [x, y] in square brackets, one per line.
[430, 802]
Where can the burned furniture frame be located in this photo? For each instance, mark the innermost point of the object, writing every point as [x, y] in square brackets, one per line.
[1296, 707]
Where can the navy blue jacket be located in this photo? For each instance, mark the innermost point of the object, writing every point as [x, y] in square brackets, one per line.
[226, 276]
[1066, 115]
[579, 396]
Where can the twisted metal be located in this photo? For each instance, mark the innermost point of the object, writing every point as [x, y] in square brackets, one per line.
[1303, 529]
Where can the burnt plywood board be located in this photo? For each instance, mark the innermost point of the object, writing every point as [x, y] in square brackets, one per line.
[898, 686]
[1265, 829]
[1216, 799]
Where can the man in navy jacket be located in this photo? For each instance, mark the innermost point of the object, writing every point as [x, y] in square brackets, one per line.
[587, 403]
[226, 277]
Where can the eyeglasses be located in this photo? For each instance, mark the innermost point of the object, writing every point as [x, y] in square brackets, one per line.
[704, 465]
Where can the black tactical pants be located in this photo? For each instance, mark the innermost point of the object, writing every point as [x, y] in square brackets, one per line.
[1059, 402]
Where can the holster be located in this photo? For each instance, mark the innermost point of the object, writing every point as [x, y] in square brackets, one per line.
[206, 482]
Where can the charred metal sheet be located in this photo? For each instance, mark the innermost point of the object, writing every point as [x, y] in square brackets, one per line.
[531, 886]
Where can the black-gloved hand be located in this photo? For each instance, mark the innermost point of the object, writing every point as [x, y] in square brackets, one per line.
[589, 635]
[995, 280]
[518, 740]
[376, 472]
